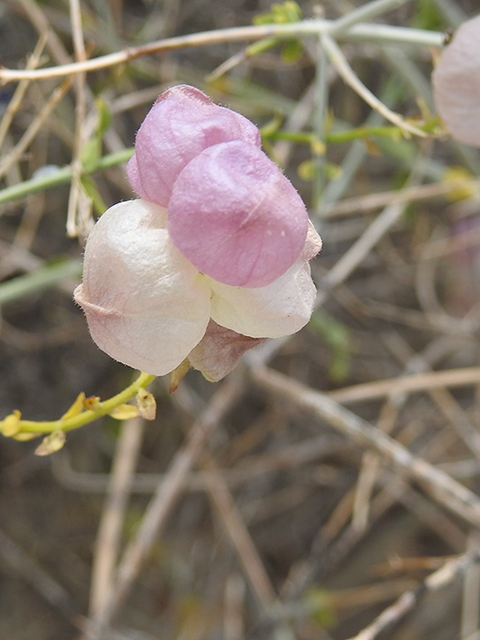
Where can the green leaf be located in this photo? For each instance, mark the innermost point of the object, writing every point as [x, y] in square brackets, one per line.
[91, 153]
[91, 190]
[292, 51]
[92, 149]
[427, 16]
[104, 116]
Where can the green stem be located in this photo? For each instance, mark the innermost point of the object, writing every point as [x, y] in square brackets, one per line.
[62, 175]
[308, 137]
[40, 279]
[102, 409]
[360, 133]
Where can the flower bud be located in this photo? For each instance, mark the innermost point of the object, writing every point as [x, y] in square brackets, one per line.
[236, 217]
[456, 84]
[180, 125]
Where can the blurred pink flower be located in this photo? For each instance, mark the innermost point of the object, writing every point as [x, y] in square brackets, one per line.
[456, 84]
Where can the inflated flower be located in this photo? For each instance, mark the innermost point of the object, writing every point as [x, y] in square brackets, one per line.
[456, 84]
[231, 211]
[182, 123]
[214, 256]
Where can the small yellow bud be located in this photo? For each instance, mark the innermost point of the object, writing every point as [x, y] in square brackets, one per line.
[91, 403]
[11, 424]
[146, 404]
[50, 444]
[76, 408]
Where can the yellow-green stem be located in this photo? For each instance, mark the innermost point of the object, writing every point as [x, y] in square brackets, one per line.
[102, 409]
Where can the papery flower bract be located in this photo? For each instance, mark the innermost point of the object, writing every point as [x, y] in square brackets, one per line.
[281, 308]
[148, 307]
[231, 211]
[219, 350]
[145, 304]
[212, 260]
[456, 84]
[182, 123]
[236, 217]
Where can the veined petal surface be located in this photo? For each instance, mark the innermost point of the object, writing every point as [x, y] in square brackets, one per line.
[146, 305]
[180, 125]
[279, 309]
[236, 217]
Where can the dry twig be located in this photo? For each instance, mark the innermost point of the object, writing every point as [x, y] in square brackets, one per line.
[406, 603]
[450, 494]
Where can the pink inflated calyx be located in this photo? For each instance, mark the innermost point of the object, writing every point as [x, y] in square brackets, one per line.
[236, 217]
[180, 125]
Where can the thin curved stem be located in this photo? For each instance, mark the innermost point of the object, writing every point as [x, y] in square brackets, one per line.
[60, 175]
[101, 409]
[369, 32]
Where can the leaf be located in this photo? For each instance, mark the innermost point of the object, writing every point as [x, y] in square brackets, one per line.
[372, 147]
[321, 606]
[90, 186]
[92, 148]
[292, 51]
[91, 154]
[104, 116]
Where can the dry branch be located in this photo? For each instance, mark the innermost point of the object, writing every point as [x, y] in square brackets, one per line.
[452, 495]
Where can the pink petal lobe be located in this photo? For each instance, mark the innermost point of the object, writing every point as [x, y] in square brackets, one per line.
[456, 84]
[236, 217]
[279, 309]
[146, 305]
[180, 125]
[219, 351]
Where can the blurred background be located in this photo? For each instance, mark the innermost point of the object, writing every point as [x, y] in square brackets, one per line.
[278, 526]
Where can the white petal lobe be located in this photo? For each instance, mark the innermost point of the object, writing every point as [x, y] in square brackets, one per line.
[146, 305]
[279, 309]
